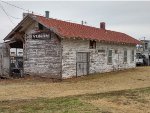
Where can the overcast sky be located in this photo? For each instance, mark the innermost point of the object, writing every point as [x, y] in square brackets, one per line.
[132, 18]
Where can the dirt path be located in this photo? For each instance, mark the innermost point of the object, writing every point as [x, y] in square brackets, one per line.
[30, 89]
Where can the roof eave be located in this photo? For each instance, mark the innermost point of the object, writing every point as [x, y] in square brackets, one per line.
[50, 28]
[17, 27]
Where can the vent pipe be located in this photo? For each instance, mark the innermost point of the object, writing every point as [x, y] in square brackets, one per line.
[102, 25]
[47, 14]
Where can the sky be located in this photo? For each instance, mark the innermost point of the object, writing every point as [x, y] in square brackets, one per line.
[132, 18]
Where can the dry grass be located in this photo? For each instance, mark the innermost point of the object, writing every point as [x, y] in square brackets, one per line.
[124, 101]
[30, 88]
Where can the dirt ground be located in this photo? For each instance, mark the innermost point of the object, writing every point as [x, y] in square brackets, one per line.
[29, 88]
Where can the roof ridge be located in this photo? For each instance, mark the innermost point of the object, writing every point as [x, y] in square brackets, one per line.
[70, 29]
[75, 30]
[71, 22]
[56, 19]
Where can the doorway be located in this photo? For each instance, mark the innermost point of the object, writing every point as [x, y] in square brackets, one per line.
[82, 63]
[16, 58]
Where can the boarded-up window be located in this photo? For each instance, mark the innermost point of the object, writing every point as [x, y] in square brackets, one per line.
[110, 57]
[92, 44]
[132, 55]
[125, 56]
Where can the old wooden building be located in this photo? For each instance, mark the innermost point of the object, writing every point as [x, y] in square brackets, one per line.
[59, 49]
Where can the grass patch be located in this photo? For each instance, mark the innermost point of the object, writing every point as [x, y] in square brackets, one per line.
[132, 94]
[86, 91]
[42, 105]
[72, 104]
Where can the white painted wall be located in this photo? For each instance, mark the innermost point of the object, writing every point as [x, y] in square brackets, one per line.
[98, 61]
[42, 57]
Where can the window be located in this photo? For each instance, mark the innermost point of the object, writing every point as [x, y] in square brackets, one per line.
[12, 54]
[132, 55]
[146, 46]
[101, 51]
[110, 57]
[41, 27]
[125, 56]
[20, 53]
[92, 44]
[116, 51]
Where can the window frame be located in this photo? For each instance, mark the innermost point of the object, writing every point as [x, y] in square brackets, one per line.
[92, 44]
[132, 55]
[40, 26]
[108, 56]
[125, 56]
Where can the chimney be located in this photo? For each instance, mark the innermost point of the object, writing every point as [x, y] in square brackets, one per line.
[47, 14]
[102, 25]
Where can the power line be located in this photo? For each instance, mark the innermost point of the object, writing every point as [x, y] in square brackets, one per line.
[6, 14]
[13, 6]
[29, 11]
[16, 6]
[14, 17]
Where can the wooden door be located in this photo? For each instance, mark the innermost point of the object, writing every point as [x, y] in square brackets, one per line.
[82, 64]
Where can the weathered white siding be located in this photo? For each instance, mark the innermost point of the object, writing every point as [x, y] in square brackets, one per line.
[56, 58]
[42, 57]
[4, 60]
[98, 60]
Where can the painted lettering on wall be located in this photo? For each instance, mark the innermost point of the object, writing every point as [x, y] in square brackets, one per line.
[41, 35]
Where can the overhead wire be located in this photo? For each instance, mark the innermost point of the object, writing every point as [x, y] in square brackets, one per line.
[14, 17]
[16, 6]
[29, 11]
[23, 9]
[6, 14]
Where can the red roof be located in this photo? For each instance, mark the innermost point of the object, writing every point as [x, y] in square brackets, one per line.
[73, 30]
